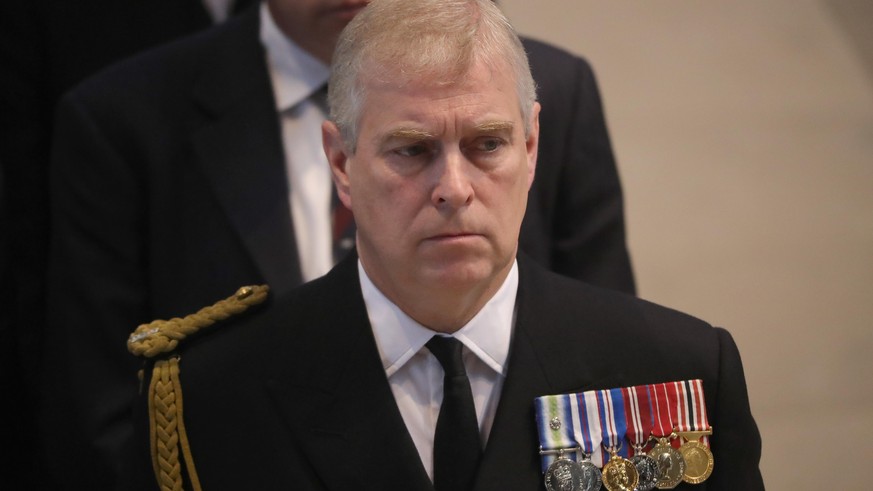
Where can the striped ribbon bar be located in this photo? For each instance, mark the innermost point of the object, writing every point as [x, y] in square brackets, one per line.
[638, 410]
[570, 422]
[555, 425]
[590, 418]
[613, 422]
[691, 407]
[660, 403]
[675, 408]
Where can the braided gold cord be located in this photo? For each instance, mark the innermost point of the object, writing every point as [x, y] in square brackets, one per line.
[183, 434]
[167, 433]
[167, 428]
[163, 426]
[162, 336]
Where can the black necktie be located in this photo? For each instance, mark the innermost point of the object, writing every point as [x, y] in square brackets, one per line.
[239, 5]
[457, 447]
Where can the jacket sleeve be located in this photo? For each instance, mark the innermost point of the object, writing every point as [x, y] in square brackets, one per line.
[736, 441]
[96, 292]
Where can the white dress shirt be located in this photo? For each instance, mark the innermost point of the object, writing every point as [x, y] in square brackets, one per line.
[416, 377]
[296, 76]
[219, 10]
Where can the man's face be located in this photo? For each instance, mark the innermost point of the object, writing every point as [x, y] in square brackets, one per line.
[438, 182]
[315, 25]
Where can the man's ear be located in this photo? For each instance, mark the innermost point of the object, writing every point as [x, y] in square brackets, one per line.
[532, 143]
[338, 158]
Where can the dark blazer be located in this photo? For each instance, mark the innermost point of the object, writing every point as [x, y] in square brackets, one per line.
[46, 48]
[294, 396]
[169, 191]
[574, 223]
[168, 187]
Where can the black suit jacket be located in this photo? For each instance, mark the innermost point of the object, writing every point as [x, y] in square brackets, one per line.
[169, 191]
[295, 396]
[46, 48]
[168, 187]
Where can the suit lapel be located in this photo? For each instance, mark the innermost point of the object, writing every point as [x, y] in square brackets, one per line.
[539, 364]
[510, 460]
[344, 413]
[238, 146]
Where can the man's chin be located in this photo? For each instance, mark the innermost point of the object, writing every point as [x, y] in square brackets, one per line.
[462, 273]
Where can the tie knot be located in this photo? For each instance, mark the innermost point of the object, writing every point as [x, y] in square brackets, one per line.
[447, 351]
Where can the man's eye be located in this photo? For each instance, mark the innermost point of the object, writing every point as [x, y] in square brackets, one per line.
[416, 150]
[488, 144]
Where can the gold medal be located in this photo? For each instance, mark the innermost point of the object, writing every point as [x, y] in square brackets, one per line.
[620, 474]
[699, 461]
[670, 464]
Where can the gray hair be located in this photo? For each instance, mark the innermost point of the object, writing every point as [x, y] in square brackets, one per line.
[407, 40]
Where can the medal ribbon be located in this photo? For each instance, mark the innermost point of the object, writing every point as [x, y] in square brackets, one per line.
[663, 426]
[590, 424]
[693, 407]
[613, 423]
[638, 410]
[676, 408]
[554, 436]
[570, 421]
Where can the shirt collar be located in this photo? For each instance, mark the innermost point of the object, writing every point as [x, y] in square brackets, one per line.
[399, 337]
[295, 73]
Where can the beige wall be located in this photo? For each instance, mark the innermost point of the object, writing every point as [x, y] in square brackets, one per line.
[744, 134]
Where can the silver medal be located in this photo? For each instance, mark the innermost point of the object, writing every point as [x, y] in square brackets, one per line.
[648, 471]
[591, 478]
[564, 475]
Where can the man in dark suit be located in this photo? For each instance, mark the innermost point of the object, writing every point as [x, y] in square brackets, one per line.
[170, 190]
[46, 48]
[339, 384]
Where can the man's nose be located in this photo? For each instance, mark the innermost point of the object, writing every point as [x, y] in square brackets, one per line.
[453, 187]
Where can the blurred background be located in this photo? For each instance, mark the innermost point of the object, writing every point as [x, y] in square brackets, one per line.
[744, 137]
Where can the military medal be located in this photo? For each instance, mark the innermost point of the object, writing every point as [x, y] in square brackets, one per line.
[619, 473]
[563, 475]
[573, 428]
[638, 410]
[591, 476]
[566, 475]
[699, 461]
[692, 427]
[671, 465]
[564, 429]
[648, 470]
[557, 440]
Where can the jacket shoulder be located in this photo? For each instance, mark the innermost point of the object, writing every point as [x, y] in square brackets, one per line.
[548, 61]
[570, 313]
[162, 337]
[173, 63]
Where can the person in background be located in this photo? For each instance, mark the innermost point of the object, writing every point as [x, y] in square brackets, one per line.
[46, 48]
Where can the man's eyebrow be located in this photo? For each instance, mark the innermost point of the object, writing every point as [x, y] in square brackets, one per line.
[494, 126]
[416, 134]
[409, 134]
